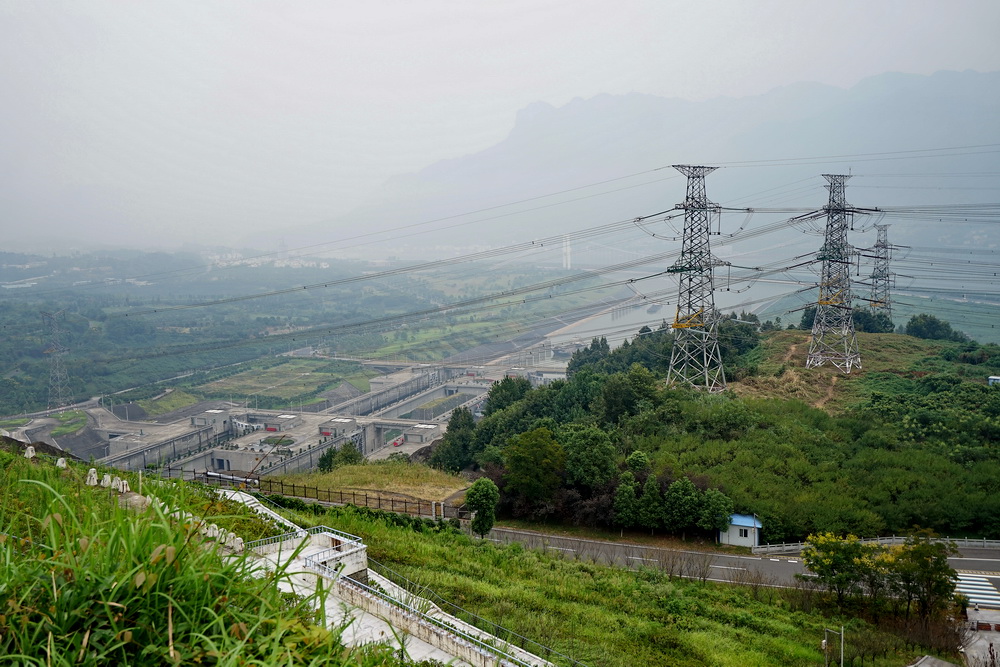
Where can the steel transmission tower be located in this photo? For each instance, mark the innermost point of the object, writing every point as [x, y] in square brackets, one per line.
[882, 279]
[695, 359]
[57, 371]
[833, 337]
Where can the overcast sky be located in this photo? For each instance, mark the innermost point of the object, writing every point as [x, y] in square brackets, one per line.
[149, 119]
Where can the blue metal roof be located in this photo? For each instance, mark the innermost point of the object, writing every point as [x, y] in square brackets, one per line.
[745, 520]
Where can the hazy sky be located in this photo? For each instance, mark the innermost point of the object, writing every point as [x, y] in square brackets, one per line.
[148, 119]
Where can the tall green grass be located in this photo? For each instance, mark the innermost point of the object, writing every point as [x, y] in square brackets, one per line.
[605, 616]
[69, 422]
[85, 582]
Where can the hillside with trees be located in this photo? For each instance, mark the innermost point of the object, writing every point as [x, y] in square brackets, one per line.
[911, 441]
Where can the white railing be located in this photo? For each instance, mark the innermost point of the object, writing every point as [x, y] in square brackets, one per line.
[796, 547]
[496, 653]
[346, 539]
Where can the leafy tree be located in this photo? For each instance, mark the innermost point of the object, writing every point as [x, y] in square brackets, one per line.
[736, 338]
[928, 326]
[505, 393]
[637, 461]
[836, 562]
[651, 505]
[682, 505]
[347, 455]
[616, 399]
[326, 460]
[482, 498]
[589, 356]
[865, 320]
[924, 573]
[878, 569]
[623, 394]
[626, 502]
[716, 510]
[590, 457]
[535, 463]
[455, 451]
[808, 316]
[575, 396]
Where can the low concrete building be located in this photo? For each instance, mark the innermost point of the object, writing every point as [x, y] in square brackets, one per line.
[743, 531]
[217, 419]
[545, 378]
[338, 426]
[422, 433]
[279, 423]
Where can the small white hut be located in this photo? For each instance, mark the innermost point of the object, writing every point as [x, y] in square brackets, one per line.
[743, 531]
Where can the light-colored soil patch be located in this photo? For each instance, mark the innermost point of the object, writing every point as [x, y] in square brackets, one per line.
[829, 392]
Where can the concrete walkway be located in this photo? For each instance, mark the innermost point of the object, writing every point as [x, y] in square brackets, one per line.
[977, 651]
[361, 627]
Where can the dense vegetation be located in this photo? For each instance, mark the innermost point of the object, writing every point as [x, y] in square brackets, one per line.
[909, 578]
[88, 583]
[916, 446]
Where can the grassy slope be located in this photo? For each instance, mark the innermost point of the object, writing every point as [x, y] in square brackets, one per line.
[175, 399]
[95, 584]
[783, 372]
[390, 478]
[602, 616]
[69, 423]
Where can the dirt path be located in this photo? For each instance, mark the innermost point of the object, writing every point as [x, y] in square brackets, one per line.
[829, 393]
[791, 350]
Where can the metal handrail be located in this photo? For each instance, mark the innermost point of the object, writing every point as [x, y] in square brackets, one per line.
[506, 658]
[315, 530]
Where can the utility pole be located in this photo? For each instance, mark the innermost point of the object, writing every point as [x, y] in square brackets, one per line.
[882, 279]
[833, 336]
[825, 645]
[695, 359]
[57, 371]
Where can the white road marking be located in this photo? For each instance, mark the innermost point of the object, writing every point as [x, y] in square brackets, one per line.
[978, 589]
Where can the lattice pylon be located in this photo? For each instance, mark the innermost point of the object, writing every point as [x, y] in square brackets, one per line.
[833, 336]
[882, 278]
[57, 371]
[695, 359]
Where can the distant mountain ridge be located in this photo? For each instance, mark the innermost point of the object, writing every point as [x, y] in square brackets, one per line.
[551, 149]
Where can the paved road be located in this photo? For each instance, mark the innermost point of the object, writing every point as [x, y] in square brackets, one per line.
[979, 574]
[775, 570]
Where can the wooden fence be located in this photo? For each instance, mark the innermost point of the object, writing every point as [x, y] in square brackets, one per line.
[412, 506]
